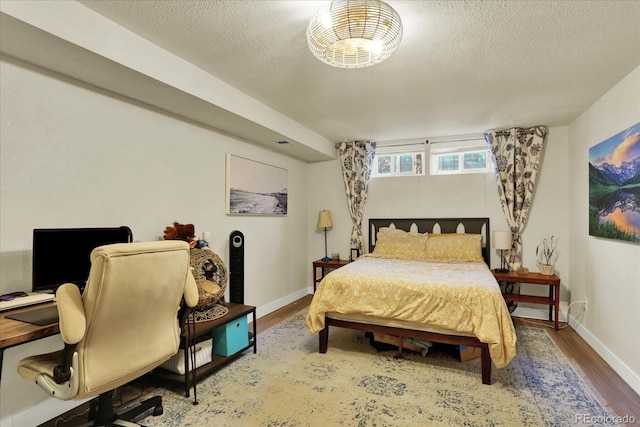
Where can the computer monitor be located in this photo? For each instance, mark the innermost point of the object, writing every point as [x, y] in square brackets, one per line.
[62, 255]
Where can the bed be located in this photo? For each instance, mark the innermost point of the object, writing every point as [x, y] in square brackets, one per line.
[426, 279]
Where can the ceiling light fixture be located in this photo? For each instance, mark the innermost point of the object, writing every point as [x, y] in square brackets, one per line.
[354, 33]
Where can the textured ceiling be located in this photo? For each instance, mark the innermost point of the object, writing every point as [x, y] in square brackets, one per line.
[462, 66]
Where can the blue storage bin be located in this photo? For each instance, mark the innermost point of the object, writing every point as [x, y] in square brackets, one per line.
[231, 337]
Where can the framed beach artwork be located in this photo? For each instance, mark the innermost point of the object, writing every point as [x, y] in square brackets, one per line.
[614, 186]
[255, 188]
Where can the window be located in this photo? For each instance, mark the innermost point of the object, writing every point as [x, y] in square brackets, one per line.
[405, 163]
[458, 157]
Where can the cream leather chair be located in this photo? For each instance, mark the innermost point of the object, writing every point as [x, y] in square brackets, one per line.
[125, 324]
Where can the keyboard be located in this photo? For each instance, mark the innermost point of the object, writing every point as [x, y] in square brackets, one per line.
[31, 299]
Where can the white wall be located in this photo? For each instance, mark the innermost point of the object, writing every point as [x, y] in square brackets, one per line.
[75, 156]
[605, 271]
[470, 195]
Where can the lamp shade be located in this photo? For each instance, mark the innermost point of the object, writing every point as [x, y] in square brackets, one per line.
[501, 240]
[354, 33]
[324, 220]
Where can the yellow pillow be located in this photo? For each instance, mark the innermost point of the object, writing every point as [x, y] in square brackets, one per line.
[454, 247]
[410, 246]
[389, 230]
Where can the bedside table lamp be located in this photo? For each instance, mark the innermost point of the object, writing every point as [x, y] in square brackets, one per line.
[324, 221]
[501, 240]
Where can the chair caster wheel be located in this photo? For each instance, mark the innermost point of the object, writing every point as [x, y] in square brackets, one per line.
[158, 410]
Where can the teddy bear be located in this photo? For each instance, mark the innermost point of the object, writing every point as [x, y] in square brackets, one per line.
[185, 232]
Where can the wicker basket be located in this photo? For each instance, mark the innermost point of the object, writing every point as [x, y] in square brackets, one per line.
[211, 277]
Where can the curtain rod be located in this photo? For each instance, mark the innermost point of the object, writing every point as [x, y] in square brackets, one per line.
[426, 141]
[401, 144]
[468, 138]
[437, 140]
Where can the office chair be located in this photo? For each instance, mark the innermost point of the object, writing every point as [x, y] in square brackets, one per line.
[126, 323]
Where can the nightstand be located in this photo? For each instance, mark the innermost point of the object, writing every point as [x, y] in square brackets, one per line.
[553, 282]
[323, 266]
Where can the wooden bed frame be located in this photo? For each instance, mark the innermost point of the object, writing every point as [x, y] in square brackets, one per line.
[421, 225]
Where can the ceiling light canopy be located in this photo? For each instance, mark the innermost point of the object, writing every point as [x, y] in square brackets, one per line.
[354, 33]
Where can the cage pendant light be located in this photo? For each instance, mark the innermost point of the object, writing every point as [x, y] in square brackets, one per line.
[354, 33]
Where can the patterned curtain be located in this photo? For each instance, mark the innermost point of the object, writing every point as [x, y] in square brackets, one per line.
[356, 159]
[516, 154]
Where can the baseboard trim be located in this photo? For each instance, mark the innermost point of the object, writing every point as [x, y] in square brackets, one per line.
[541, 313]
[616, 364]
[279, 303]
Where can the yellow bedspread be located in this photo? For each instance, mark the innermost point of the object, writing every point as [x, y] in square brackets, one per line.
[464, 297]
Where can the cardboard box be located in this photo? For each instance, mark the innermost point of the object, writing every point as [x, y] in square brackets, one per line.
[393, 340]
[468, 353]
[231, 337]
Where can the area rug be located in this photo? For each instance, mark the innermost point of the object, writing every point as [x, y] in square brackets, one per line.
[288, 383]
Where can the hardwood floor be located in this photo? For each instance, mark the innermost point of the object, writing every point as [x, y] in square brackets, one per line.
[265, 322]
[618, 395]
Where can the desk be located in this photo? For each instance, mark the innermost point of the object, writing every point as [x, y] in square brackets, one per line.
[15, 332]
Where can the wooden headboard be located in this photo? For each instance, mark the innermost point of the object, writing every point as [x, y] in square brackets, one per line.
[436, 225]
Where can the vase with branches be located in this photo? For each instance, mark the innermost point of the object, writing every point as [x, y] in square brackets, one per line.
[546, 253]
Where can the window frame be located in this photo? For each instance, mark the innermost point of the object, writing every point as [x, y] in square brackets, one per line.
[395, 155]
[459, 148]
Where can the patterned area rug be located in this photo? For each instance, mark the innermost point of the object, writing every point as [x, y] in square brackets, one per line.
[288, 383]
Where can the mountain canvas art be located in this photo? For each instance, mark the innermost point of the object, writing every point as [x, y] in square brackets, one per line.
[614, 186]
